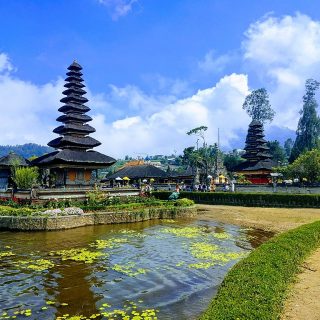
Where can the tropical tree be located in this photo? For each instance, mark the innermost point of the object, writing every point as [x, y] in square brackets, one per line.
[288, 145]
[191, 157]
[258, 106]
[306, 166]
[199, 131]
[308, 131]
[277, 151]
[232, 160]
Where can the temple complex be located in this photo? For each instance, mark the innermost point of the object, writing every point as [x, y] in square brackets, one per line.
[6, 164]
[258, 164]
[74, 163]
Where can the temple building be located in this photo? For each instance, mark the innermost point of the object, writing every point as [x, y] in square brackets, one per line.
[137, 173]
[258, 164]
[6, 164]
[73, 163]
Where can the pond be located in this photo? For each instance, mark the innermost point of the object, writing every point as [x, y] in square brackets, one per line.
[157, 269]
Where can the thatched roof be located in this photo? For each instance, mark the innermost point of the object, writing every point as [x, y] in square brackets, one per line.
[267, 164]
[144, 171]
[90, 158]
[13, 158]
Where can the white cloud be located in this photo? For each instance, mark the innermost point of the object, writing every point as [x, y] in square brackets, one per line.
[284, 52]
[165, 130]
[214, 64]
[118, 8]
[5, 64]
[146, 124]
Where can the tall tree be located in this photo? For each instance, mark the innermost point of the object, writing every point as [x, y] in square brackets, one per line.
[277, 151]
[231, 160]
[309, 123]
[258, 106]
[288, 145]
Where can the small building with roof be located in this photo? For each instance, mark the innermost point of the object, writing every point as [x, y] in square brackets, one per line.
[74, 163]
[138, 173]
[258, 165]
[6, 164]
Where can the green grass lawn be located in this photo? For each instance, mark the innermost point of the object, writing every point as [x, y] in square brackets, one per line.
[256, 287]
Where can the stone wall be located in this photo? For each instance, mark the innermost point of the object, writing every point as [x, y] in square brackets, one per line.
[68, 222]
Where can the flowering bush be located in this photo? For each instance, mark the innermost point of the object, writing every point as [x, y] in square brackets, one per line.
[72, 211]
[59, 212]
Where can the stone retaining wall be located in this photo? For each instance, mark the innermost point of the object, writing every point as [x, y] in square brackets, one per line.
[88, 219]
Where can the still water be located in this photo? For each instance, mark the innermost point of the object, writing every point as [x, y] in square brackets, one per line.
[165, 269]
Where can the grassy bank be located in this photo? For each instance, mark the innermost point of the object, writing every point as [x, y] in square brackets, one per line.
[256, 287]
[249, 199]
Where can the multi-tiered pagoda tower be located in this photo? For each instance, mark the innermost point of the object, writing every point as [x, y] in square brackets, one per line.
[258, 164]
[74, 163]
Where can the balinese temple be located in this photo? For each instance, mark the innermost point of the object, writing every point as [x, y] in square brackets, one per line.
[258, 164]
[6, 164]
[74, 163]
[137, 173]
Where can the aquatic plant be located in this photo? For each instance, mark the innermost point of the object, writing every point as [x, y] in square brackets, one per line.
[221, 235]
[209, 256]
[5, 254]
[34, 264]
[168, 220]
[129, 269]
[186, 232]
[110, 243]
[80, 254]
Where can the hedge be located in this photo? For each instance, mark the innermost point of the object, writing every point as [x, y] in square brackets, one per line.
[249, 199]
[257, 286]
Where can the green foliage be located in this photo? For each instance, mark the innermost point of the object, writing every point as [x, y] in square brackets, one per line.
[257, 286]
[288, 145]
[25, 177]
[308, 131]
[25, 150]
[258, 106]
[249, 199]
[184, 202]
[277, 151]
[306, 166]
[231, 161]
[198, 131]
[11, 211]
[241, 179]
[96, 196]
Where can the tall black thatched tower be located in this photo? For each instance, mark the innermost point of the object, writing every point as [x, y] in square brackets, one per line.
[258, 164]
[74, 163]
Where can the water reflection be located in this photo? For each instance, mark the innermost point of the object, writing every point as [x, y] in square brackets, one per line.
[150, 264]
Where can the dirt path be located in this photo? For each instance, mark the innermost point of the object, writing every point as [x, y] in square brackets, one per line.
[304, 297]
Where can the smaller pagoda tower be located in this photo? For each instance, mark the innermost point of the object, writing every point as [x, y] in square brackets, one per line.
[258, 164]
[74, 163]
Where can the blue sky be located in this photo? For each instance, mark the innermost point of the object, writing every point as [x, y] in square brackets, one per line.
[156, 69]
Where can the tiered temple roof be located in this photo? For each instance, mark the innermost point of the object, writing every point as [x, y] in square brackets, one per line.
[74, 141]
[257, 152]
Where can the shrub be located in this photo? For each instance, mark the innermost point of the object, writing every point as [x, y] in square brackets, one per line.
[249, 199]
[96, 196]
[25, 177]
[10, 211]
[184, 202]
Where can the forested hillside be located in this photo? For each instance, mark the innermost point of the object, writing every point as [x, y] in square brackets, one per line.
[25, 150]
